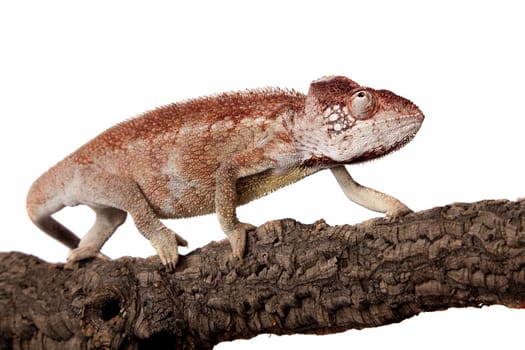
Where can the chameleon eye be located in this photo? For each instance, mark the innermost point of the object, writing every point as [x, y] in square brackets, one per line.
[362, 104]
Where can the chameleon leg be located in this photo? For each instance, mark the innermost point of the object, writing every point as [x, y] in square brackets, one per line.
[106, 222]
[245, 164]
[225, 204]
[367, 197]
[116, 194]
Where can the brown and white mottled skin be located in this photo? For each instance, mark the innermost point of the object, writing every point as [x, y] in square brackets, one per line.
[215, 153]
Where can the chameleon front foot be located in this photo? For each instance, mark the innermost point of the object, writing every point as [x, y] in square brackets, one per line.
[237, 237]
[166, 245]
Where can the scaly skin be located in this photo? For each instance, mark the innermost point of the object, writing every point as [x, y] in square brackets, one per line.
[213, 154]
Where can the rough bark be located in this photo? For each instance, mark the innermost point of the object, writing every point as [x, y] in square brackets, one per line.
[295, 278]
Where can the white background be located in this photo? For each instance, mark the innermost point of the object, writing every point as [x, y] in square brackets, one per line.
[68, 71]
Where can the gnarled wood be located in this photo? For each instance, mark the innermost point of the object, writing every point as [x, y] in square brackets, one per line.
[295, 278]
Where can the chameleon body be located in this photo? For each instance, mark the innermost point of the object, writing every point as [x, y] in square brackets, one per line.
[215, 153]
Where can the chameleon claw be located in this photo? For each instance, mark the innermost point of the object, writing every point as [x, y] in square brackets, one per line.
[181, 241]
[237, 238]
[165, 243]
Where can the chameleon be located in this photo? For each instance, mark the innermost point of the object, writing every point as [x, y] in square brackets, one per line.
[212, 154]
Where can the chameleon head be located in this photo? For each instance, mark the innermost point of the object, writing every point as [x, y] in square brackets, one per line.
[347, 123]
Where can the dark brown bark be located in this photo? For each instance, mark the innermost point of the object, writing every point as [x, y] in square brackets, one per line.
[295, 278]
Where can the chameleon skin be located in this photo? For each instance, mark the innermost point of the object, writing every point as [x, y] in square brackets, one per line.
[215, 153]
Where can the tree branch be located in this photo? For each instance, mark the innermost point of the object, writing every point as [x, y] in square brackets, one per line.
[295, 278]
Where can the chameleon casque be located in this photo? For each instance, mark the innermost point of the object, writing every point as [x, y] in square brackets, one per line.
[215, 153]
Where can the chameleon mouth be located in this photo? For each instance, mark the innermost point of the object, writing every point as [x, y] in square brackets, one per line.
[414, 126]
[409, 128]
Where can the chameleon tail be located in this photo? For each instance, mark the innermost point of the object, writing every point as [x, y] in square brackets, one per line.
[41, 203]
